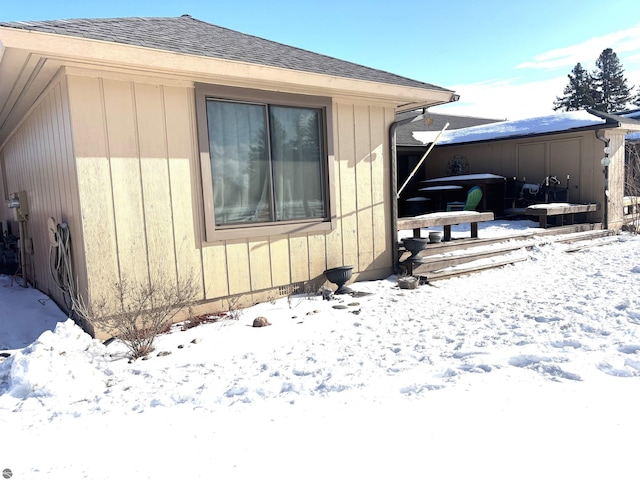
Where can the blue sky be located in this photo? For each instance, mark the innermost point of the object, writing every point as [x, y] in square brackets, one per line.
[507, 59]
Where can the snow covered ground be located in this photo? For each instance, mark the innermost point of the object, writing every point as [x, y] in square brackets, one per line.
[526, 372]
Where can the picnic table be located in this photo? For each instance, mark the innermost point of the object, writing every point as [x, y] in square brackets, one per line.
[440, 192]
[483, 180]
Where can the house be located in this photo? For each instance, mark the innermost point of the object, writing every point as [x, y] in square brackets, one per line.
[569, 146]
[172, 147]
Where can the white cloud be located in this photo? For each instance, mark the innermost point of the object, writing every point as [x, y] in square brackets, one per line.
[521, 97]
[510, 99]
[624, 43]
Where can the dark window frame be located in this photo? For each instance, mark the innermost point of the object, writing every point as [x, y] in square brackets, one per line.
[214, 232]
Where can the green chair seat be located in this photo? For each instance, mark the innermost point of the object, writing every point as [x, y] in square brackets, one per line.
[474, 195]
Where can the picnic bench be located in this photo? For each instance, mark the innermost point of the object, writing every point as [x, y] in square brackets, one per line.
[444, 219]
[545, 210]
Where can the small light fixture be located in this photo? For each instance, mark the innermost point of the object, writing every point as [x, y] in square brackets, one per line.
[607, 150]
[606, 161]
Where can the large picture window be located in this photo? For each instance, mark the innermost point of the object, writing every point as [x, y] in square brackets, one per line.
[267, 163]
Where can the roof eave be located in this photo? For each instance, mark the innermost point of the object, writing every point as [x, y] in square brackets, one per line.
[448, 96]
[151, 61]
[618, 120]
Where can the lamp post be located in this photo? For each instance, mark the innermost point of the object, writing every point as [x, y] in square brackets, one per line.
[606, 161]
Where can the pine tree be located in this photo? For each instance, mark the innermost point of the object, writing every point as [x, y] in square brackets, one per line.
[610, 83]
[579, 93]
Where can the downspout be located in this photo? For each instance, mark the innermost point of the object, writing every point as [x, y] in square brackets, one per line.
[605, 164]
[394, 188]
[394, 179]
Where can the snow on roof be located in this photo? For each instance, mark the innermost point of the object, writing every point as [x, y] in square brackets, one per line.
[514, 128]
[632, 137]
[633, 115]
[473, 176]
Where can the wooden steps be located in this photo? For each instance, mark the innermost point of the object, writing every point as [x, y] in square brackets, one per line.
[463, 256]
[575, 247]
[439, 261]
[444, 274]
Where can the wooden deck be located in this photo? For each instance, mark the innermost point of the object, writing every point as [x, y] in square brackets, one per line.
[460, 257]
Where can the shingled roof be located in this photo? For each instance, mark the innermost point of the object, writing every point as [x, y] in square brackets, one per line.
[433, 122]
[190, 36]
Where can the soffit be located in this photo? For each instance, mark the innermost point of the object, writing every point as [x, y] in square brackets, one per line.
[23, 77]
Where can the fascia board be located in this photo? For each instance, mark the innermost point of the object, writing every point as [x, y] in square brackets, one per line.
[109, 54]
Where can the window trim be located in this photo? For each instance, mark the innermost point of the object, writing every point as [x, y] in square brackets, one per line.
[215, 233]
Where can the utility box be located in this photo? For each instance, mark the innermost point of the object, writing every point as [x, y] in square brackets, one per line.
[18, 202]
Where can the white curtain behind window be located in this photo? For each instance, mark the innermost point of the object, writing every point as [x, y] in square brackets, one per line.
[297, 163]
[239, 162]
[260, 162]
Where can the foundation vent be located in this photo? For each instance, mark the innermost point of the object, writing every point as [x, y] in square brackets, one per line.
[291, 289]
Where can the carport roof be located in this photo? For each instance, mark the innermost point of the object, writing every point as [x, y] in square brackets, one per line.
[432, 122]
[530, 127]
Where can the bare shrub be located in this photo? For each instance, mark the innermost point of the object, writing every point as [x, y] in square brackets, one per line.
[300, 294]
[138, 313]
[197, 320]
[234, 305]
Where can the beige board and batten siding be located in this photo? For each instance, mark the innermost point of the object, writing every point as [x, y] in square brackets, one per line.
[136, 178]
[141, 195]
[38, 159]
[539, 159]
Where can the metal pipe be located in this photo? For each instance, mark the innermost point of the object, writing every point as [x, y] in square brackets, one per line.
[394, 185]
[394, 179]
